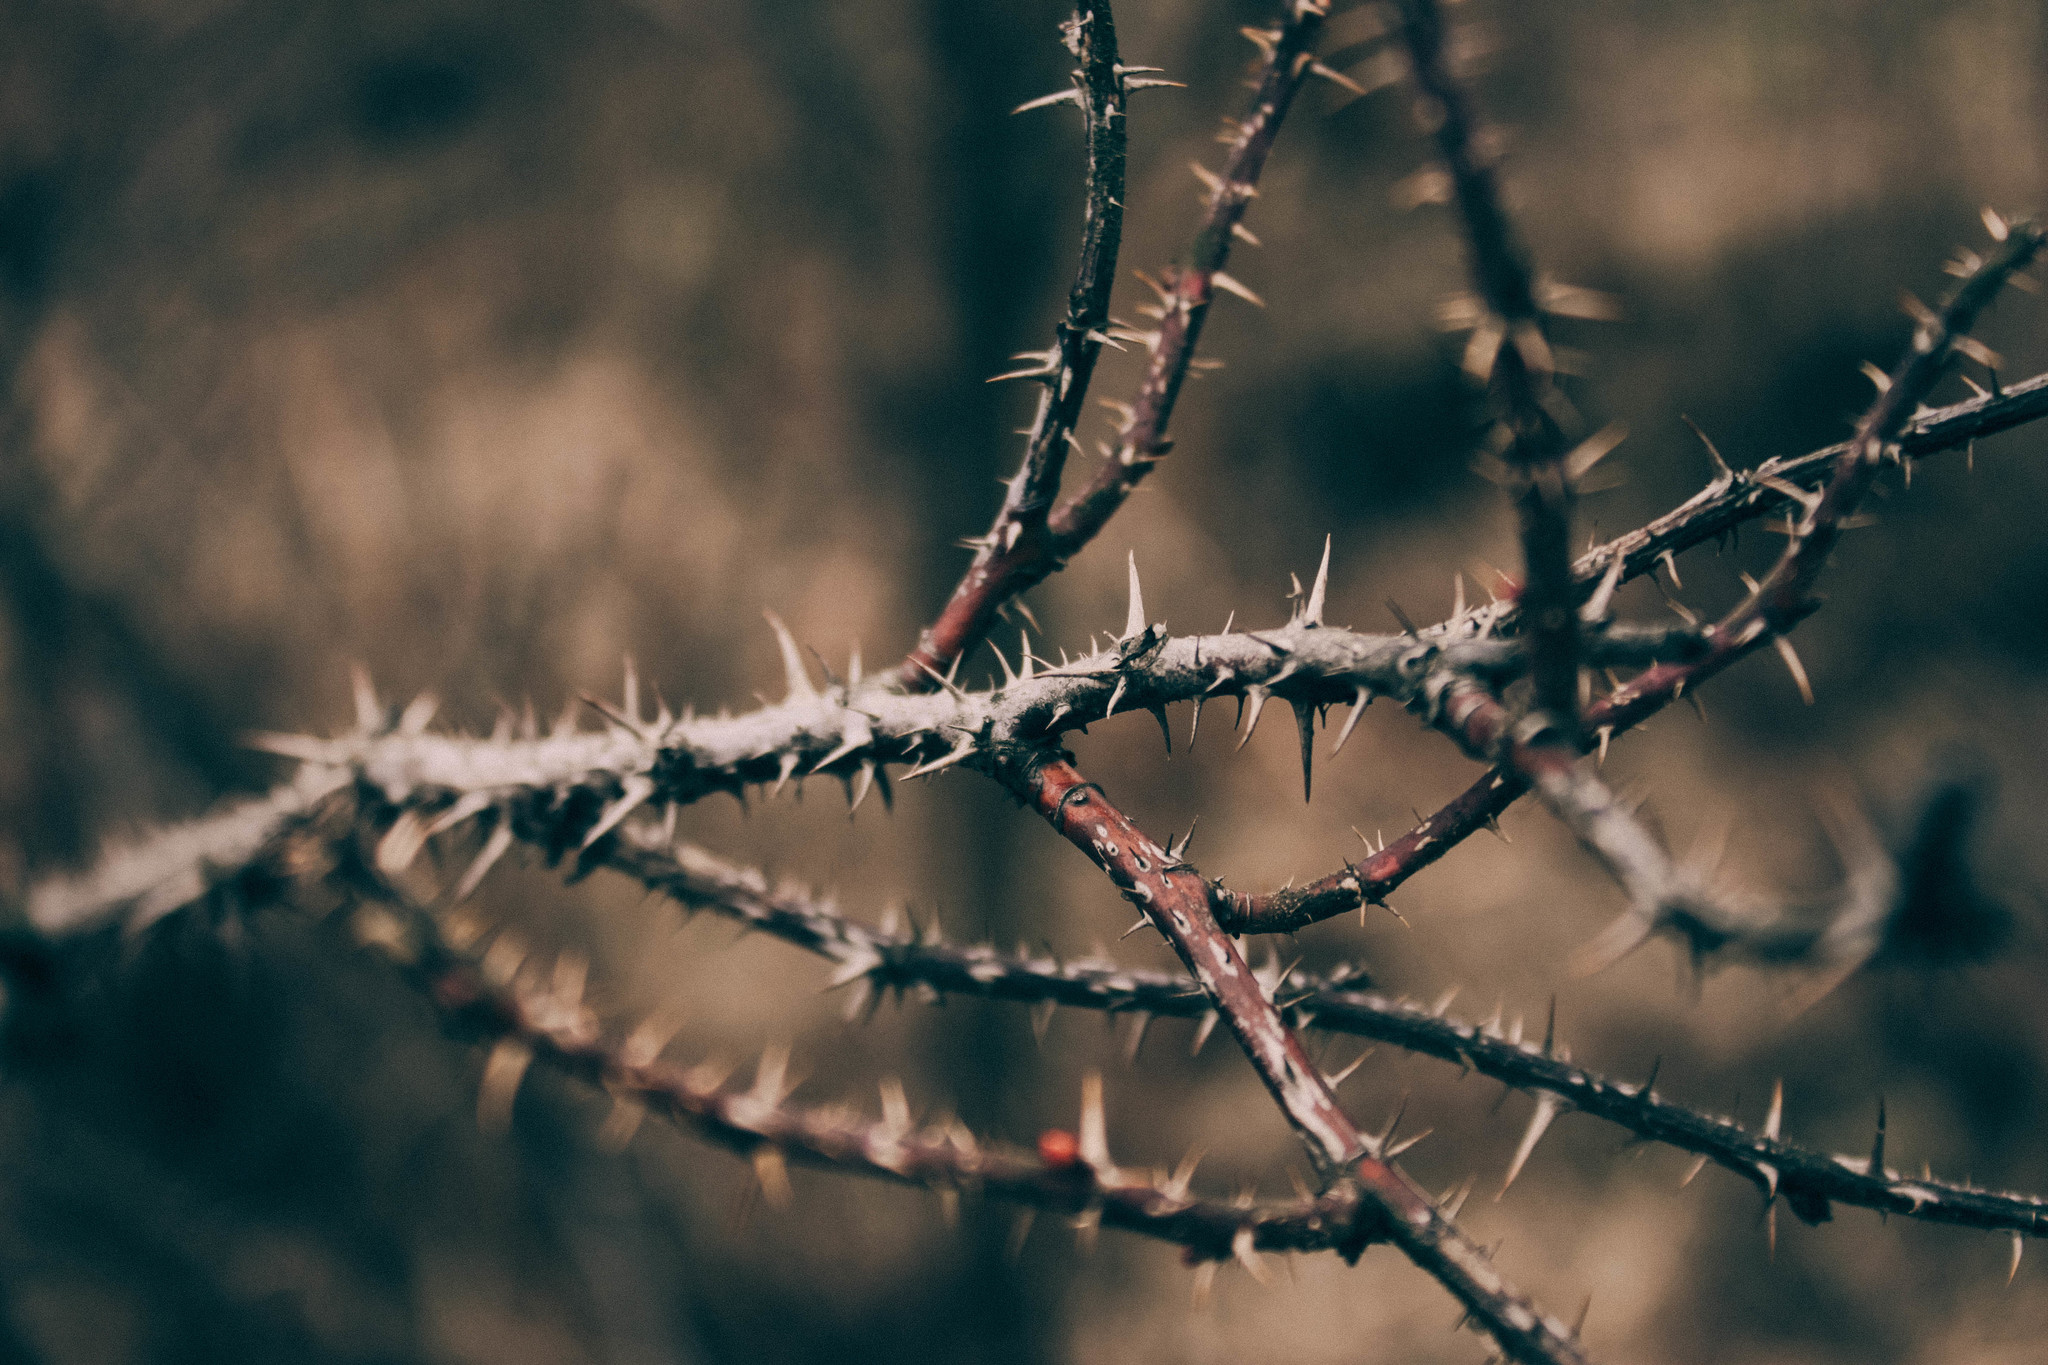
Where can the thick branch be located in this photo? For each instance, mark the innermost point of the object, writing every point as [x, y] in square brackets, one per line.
[872, 960]
[850, 730]
[1175, 899]
[547, 1019]
[1527, 756]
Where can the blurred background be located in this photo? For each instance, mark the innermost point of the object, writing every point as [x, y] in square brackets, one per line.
[487, 344]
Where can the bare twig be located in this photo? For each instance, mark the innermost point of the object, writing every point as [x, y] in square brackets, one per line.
[545, 1019]
[1013, 564]
[1175, 899]
[1659, 896]
[873, 961]
[1100, 88]
[1511, 354]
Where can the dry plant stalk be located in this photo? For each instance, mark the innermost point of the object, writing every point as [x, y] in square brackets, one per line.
[1505, 681]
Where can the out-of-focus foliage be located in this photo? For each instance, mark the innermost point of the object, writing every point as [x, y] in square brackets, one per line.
[486, 344]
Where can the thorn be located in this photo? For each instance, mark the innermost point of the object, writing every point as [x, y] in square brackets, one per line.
[773, 1173]
[1141, 1025]
[1312, 614]
[1041, 1018]
[1453, 1199]
[1794, 667]
[1241, 1248]
[1550, 1029]
[1203, 1029]
[1094, 1128]
[1593, 450]
[494, 848]
[1067, 96]
[794, 673]
[1603, 596]
[401, 843]
[1305, 722]
[861, 787]
[1134, 615]
[1363, 700]
[1231, 285]
[1144, 921]
[418, 713]
[1176, 1186]
[370, 715]
[503, 1072]
[1255, 703]
[1195, 724]
[1995, 224]
[1699, 1164]
[635, 789]
[1721, 470]
[1876, 1167]
[1165, 733]
[783, 769]
[1547, 1106]
[1879, 380]
[2019, 1244]
[1775, 1119]
[1020, 1230]
[1338, 1078]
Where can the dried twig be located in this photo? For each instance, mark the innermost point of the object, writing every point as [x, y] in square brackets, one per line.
[1511, 354]
[1012, 564]
[871, 961]
[1101, 86]
[1175, 899]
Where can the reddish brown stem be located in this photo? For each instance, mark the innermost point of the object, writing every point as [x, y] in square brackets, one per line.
[1513, 355]
[1175, 898]
[1009, 565]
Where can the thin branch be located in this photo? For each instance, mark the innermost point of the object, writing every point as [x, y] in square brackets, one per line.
[544, 1017]
[1894, 428]
[1511, 353]
[1010, 565]
[1100, 88]
[872, 961]
[1658, 901]
[1175, 899]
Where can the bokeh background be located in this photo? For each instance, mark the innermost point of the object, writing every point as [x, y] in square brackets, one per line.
[487, 344]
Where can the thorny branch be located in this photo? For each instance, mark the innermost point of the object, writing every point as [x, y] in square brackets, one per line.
[528, 1016]
[1510, 352]
[1009, 564]
[872, 962]
[576, 792]
[1175, 899]
[1472, 713]
[1101, 84]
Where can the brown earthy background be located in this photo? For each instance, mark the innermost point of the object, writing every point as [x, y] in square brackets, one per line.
[486, 344]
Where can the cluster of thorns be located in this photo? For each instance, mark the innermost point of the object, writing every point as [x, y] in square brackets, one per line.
[1508, 681]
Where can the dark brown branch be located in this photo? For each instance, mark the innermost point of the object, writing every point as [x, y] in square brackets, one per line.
[1511, 353]
[1011, 566]
[1100, 88]
[530, 1018]
[1891, 429]
[1175, 898]
[873, 961]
